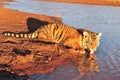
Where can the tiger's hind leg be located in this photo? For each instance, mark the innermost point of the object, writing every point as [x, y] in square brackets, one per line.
[47, 40]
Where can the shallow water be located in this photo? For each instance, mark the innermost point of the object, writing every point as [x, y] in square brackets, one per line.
[105, 19]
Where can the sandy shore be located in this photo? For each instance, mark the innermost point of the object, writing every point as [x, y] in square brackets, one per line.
[16, 21]
[93, 2]
[22, 56]
[12, 19]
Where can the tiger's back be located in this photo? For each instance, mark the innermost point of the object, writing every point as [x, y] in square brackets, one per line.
[56, 32]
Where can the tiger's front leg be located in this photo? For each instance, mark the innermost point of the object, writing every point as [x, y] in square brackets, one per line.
[77, 47]
[74, 44]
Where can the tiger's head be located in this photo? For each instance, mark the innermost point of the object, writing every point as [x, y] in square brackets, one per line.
[91, 40]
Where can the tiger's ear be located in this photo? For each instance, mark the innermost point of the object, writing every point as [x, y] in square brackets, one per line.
[85, 33]
[99, 34]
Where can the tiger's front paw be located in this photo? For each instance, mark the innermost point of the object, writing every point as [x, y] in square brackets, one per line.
[92, 55]
[81, 51]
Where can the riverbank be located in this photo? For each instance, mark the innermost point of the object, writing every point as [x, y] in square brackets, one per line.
[92, 2]
[12, 19]
[17, 53]
[23, 56]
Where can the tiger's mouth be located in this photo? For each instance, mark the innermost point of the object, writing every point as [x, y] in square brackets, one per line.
[91, 51]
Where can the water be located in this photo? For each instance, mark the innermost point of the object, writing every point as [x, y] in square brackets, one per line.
[105, 19]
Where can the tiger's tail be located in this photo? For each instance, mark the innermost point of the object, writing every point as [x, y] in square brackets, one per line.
[20, 35]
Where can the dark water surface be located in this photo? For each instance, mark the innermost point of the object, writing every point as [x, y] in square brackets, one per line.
[105, 19]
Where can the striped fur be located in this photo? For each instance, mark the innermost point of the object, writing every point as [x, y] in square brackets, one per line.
[78, 39]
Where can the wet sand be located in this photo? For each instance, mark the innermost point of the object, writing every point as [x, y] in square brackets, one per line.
[23, 56]
[92, 2]
[16, 21]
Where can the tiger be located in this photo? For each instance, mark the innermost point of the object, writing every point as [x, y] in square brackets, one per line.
[59, 33]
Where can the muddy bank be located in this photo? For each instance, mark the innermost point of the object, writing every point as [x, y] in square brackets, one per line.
[92, 2]
[22, 56]
[18, 54]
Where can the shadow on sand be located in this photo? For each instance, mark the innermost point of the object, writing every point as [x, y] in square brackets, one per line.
[33, 24]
